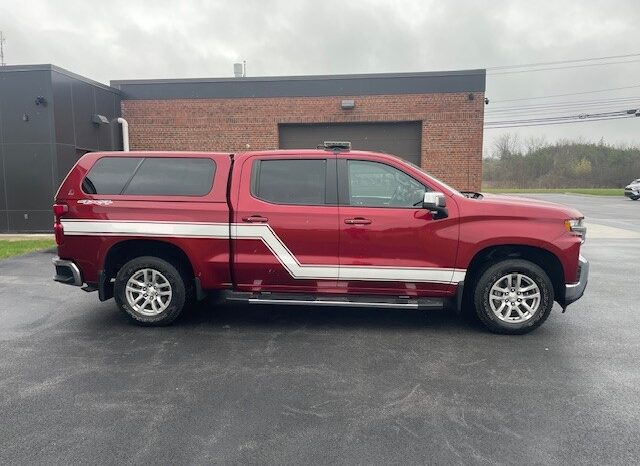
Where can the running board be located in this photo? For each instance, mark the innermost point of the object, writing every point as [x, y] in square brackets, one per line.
[398, 302]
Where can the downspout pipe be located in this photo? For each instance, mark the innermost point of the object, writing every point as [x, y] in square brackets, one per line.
[125, 134]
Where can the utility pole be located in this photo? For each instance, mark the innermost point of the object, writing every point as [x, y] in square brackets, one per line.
[2, 63]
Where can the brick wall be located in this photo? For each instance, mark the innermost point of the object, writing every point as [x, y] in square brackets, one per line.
[451, 125]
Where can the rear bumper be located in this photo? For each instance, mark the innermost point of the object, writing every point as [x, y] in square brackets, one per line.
[67, 272]
[574, 291]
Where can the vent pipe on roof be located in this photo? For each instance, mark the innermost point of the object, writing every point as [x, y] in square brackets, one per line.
[125, 134]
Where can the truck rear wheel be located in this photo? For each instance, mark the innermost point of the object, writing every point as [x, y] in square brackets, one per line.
[513, 296]
[150, 291]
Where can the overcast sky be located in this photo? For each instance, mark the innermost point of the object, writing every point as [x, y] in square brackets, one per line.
[184, 38]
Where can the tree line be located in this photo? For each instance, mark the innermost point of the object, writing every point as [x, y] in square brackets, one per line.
[566, 164]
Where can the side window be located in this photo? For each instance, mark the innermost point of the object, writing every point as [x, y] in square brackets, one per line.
[153, 176]
[163, 176]
[373, 184]
[291, 181]
[109, 175]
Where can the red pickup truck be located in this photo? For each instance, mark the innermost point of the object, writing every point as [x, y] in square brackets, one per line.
[331, 226]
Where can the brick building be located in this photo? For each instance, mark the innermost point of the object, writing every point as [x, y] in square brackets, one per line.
[49, 117]
[431, 119]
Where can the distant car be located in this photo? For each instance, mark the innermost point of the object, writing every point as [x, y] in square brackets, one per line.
[632, 191]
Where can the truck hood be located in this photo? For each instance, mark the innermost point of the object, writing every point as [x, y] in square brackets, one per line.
[528, 207]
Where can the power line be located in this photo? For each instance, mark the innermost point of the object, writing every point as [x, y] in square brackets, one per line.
[554, 109]
[563, 102]
[587, 65]
[563, 118]
[527, 65]
[558, 122]
[567, 94]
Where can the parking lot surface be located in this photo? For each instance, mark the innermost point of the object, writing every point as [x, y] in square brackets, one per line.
[292, 385]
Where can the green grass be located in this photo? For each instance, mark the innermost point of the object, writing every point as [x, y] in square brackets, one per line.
[9, 248]
[592, 191]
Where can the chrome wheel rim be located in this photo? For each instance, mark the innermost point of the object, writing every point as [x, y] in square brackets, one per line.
[514, 298]
[148, 292]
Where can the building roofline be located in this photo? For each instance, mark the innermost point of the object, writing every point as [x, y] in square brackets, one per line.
[304, 86]
[57, 69]
[330, 77]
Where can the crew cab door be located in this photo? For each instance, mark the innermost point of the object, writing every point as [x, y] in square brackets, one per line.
[389, 244]
[285, 230]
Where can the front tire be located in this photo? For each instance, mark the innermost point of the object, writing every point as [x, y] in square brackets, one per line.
[150, 291]
[513, 296]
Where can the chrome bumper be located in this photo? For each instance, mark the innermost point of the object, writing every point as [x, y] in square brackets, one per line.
[574, 291]
[67, 272]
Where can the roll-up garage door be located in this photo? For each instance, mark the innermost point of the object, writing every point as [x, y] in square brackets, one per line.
[400, 138]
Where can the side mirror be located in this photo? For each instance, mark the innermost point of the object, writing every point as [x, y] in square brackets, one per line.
[436, 203]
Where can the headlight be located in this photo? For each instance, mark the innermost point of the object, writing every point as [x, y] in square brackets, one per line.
[577, 227]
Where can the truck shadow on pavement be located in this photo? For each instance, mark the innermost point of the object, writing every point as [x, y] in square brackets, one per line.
[289, 316]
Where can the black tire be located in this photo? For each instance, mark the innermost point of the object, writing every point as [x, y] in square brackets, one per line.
[634, 198]
[492, 274]
[177, 300]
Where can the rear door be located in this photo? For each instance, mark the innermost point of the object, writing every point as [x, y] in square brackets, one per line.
[388, 243]
[285, 229]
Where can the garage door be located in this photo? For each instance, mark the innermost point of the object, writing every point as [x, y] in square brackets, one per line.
[401, 139]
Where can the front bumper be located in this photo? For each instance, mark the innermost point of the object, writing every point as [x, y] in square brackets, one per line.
[631, 193]
[574, 291]
[67, 272]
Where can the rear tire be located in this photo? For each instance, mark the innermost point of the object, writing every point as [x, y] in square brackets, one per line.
[150, 291]
[513, 296]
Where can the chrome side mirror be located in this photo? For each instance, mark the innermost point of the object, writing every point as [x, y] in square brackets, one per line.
[436, 203]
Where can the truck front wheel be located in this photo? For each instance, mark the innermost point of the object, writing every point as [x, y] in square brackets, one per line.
[150, 291]
[513, 296]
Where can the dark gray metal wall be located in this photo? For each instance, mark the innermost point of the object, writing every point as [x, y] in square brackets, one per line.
[402, 138]
[40, 143]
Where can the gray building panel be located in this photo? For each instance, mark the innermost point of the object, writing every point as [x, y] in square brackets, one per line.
[67, 156]
[83, 109]
[22, 120]
[63, 108]
[36, 221]
[304, 86]
[38, 153]
[28, 176]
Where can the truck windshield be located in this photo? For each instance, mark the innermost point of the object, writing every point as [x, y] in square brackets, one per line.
[421, 170]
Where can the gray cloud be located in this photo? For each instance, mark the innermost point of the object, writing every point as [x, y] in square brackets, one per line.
[169, 39]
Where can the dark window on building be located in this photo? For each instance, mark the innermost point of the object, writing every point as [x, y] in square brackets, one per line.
[157, 176]
[110, 175]
[373, 184]
[172, 177]
[296, 181]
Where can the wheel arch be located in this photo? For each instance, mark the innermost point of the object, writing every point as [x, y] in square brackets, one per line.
[544, 258]
[123, 251]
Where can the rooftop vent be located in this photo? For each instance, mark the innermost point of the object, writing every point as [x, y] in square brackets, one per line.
[239, 70]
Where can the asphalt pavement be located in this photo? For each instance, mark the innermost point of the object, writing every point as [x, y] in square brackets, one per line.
[292, 385]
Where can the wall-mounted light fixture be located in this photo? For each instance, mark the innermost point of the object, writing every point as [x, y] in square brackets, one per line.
[40, 100]
[348, 104]
[99, 119]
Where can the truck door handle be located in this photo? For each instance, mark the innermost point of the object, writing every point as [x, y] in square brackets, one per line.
[255, 219]
[357, 221]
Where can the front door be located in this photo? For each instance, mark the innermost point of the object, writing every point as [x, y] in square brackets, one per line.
[285, 232]
[388, 243]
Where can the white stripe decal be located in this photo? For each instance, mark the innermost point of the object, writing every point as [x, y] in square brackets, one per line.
[271, 240]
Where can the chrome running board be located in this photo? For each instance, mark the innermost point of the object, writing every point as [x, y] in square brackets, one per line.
[343, 301]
